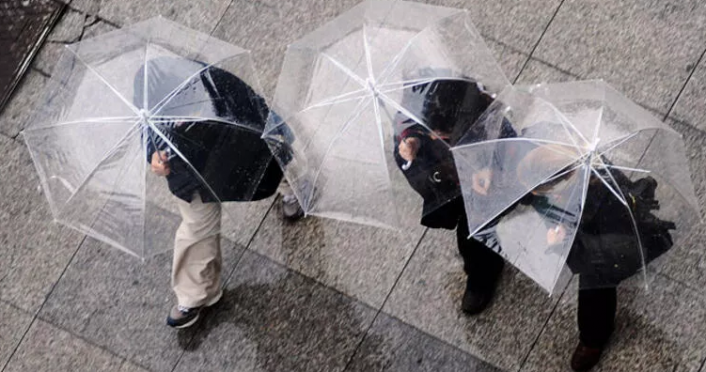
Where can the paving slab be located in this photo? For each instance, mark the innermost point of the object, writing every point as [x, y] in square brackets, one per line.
[95, 27]
[643, 48]
[103, 287]
[14, 323]
[360, 261]
[24, 25]
[68, 30]
[18, 111]
[393, 346]
[35, 250]
[656, 331]
[201, 15]
[686, 261]
[428, 297]
[272, 319]
[537, 72]
[266, 28]
[509, 58]
[47, 348]
[691, 106]
[516, 23]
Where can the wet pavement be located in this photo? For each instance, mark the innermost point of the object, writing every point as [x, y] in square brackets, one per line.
[326, 296]
[24, 24]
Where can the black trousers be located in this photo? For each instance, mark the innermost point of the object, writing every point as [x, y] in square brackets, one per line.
[596, 315]
[482, 265]
[596, 307]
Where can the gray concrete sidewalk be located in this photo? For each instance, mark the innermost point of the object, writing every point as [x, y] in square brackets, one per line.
[327, 296]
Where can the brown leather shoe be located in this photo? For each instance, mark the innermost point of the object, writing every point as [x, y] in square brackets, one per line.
[585, 358]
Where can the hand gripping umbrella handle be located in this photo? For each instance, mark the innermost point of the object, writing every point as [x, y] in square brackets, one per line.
[406, 165]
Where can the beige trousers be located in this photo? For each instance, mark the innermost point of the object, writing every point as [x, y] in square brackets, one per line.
[196, 269]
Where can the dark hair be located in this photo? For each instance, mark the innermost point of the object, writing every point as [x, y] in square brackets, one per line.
[449, 102]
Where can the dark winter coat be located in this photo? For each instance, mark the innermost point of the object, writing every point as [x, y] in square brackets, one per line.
[606, 250]
[235, 162]
[447, 106]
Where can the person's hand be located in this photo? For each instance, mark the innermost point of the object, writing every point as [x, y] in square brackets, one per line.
[481, 181]
[160, 165]
[408, 148]
[556, 235]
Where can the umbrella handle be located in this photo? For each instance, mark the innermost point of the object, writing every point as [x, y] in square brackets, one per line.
[406, 165]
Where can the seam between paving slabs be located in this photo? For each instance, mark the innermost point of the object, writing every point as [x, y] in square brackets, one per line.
[227, 278]
[387, 297]
[544, 328]
[524, 66]
[38, 316]
[701, 369]
[220, 19]
[46, 297]
[290, 270]
[350, 360]
[686, 82]
[539, 40]
[91, 343]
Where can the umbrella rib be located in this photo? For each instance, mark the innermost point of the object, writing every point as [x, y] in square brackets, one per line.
[532, 140]
[623, 139]
[656, 172]
[584, 194]
[616, 191]
[381, 135]
[116, 119]
[164, 101]
[629, 169]
[345, 69]
[368, 57]
[407, 113]
[617, 142]
[412, 83]
[513, 201]
[105, 157]
[398, 58]
[345, 126]
[563, 121]
[634, 226]
[184, 159]
[342, 98]
[145, 100]
[120, 96]
[598, 125]
[203, 119]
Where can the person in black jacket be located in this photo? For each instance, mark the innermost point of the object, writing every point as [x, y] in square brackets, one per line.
[448, 108]
[606, 248]
[220, 158]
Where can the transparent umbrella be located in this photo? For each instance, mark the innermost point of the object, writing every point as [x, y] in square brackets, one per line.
[151, 92]
[349, 89]
[587, 182]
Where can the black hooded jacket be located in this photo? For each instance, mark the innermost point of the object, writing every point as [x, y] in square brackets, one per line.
[234, 161]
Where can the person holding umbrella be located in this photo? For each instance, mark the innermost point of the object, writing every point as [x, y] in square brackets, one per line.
[448, 107]
[576, 192]
[605, 250]
[216, 163]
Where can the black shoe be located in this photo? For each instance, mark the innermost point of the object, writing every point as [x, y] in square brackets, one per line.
[182, 317]
[476, 299]
[291, 209]
[585, 358]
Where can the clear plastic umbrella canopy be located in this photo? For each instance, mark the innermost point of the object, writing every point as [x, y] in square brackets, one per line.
[585, 182]
[115, 99]
[350, 88]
